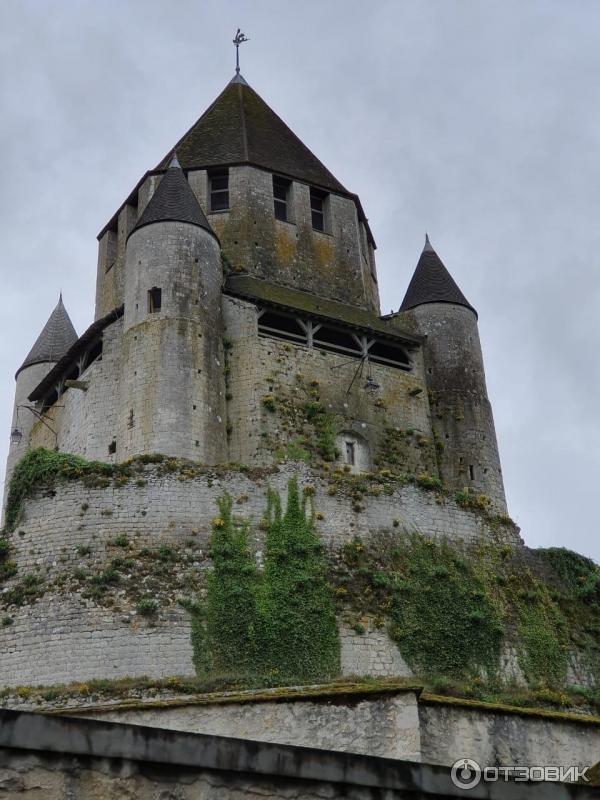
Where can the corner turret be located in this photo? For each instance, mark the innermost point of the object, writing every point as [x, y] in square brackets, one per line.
[462, 418]
[57, 336]
[173, 379]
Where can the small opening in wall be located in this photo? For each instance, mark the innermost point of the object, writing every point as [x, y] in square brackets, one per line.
[112, 448]
[447, 436]
[194, 407]
[197, 443]
[485, 472]
[429, 371]
[154, 299]
[350, 453]
[471, 472]
[130, 419]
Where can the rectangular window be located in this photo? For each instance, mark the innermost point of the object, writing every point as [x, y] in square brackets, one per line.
[154, 300]
[219, 190]
[281, 197]
[317, 208]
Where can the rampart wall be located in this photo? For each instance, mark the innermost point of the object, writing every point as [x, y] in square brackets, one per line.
[157, 527]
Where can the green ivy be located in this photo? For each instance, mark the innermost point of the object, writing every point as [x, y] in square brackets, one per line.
[579, 573]
[230, 618]
[543, 642]
[450, 606]
[442, 616]
[299, 633]
[277, 626]
[42, 468]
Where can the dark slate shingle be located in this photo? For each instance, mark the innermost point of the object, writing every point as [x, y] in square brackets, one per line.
[55, 339]
[240, 128]
[174, 201]
[432, 283]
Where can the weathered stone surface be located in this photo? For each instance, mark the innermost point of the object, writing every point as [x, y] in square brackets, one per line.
[387, 727]
[61, 758]
[496, 738]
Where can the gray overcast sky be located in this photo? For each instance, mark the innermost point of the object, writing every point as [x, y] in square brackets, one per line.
[476, 121]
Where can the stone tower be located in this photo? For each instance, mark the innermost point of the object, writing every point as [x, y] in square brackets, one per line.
[462, 418]
[51, 345]
[172, 379]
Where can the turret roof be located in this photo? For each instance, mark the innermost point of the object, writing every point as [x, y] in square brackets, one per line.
[432, 283]
[55, 339]
[173, 201]
[240, 128]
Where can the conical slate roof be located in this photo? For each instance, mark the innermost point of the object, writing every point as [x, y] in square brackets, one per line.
[432, 283]
[240, 128]
[173, 201]
[53, 342]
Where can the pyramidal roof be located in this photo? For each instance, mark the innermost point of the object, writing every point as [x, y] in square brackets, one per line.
[173, 201]
[432, 283]
[55, 339]
[240, 128]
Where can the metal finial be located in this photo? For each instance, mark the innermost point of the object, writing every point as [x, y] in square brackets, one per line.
[239, 39]
[427, 243]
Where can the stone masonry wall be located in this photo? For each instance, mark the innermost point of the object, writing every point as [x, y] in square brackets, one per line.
[461, 412]
[386, 727]
[75, 529]
[86, 421]
[61, 639]
[336, 263]
[172, 380]
[266, 367]
[495, 738]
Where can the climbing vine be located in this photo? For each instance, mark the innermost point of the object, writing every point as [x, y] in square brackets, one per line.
[298, 626]
[277, 626]
[450, 607]
[232, 585]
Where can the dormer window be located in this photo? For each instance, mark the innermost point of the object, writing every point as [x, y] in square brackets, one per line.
[281, 197]
[219, 189]
[318, 201]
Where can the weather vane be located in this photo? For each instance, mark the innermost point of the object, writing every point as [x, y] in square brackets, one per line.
[240, 38]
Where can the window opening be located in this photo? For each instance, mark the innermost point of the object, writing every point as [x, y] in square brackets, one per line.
[219, 190]
[154, 300]
[317, 208]
[281, 194]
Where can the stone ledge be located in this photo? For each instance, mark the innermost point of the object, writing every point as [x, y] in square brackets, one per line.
[499, 708]
[350, 692]
[25, 733]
